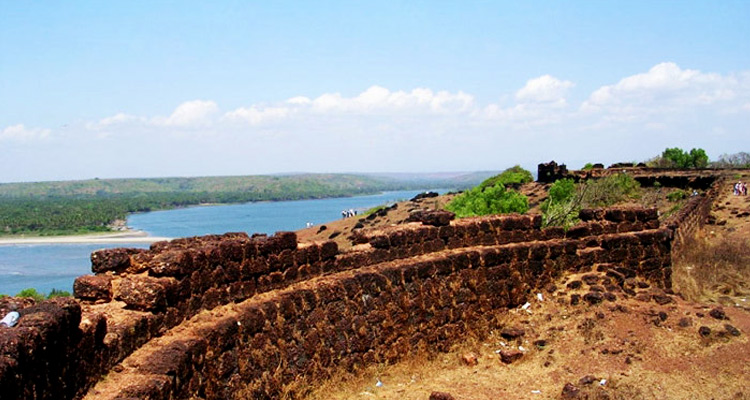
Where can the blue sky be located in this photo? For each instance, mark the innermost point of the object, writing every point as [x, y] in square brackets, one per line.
[129, 89]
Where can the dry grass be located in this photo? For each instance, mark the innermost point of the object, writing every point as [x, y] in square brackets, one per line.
[707, 268]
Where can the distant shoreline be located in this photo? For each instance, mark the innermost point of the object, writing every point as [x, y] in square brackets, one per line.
[129, 236]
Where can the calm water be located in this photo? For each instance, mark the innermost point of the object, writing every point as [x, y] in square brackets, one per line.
[45, 267]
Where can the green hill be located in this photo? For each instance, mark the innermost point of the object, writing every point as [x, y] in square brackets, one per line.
[73, 207]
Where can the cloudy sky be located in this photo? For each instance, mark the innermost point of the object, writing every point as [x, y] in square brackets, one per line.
[181, 88]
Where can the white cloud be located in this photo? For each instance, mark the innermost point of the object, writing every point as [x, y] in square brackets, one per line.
[256, 115]
[377, 99]
[195, 113]
[299, 100]
[20, 132]
[113, 121]
[665, 87]
[545, 88]
[385, 129]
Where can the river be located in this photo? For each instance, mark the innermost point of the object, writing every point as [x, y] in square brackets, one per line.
[55, 266]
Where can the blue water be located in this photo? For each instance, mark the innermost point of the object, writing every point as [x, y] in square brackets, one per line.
[47, 267]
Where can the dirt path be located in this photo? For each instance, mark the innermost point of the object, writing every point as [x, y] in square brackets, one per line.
[732, 212]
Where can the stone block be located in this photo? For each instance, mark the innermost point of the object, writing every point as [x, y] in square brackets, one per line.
[93, 287]
[141, 292]
[432, 217]
[171, 263]
[538, 251]
[553, 232]
[139, 262]
[116, 260]
[591, 214]
[232, 250]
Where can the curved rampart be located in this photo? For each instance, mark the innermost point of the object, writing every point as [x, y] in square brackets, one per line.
[232, 315]
[275, 342]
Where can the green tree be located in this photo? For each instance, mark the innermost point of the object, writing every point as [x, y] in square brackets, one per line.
[675, 157]
[490, 200]
[698, 158]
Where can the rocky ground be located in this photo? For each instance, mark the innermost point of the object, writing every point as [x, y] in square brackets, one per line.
[590, 335]
[599, 334]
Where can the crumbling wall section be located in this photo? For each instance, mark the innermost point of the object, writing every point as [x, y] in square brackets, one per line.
[686, 222]
[446, 281]
[278, 343]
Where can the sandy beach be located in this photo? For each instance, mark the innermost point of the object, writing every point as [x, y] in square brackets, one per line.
[103, 238]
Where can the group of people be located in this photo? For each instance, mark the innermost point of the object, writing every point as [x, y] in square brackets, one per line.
[740, 189]
[348, 213]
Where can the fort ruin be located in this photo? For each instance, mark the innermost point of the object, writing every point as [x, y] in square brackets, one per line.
[235, 316]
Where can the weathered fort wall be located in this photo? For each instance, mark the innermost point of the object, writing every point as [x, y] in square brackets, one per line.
[701, 179]
[258, 316]
[376, 314]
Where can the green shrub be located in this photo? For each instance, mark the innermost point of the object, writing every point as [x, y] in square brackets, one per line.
[512, 176]
[58, 293]
[562, 190]
[566, 198]
[374, 210]
[588, 166]
[31, 292]
[561, 207]
[676, 195]
[489, 200]
[609, 190]
[564, 214]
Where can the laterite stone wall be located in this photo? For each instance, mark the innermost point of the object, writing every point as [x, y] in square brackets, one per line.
[265, 312]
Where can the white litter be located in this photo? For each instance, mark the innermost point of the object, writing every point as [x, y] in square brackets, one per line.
[10, 319]
[239, 323]
[536, 391]
[602, 382]
[521, 348]
[540, 297]
[526, 306]
[379, 384]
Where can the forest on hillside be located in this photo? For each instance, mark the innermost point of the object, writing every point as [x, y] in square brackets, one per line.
[77, 207]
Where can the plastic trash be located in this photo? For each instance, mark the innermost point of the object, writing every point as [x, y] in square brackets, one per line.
[539, 297]
[10, 319]
[526, 306]
[602, 382]
[521, 348]
[536, 391]
[379, 384]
